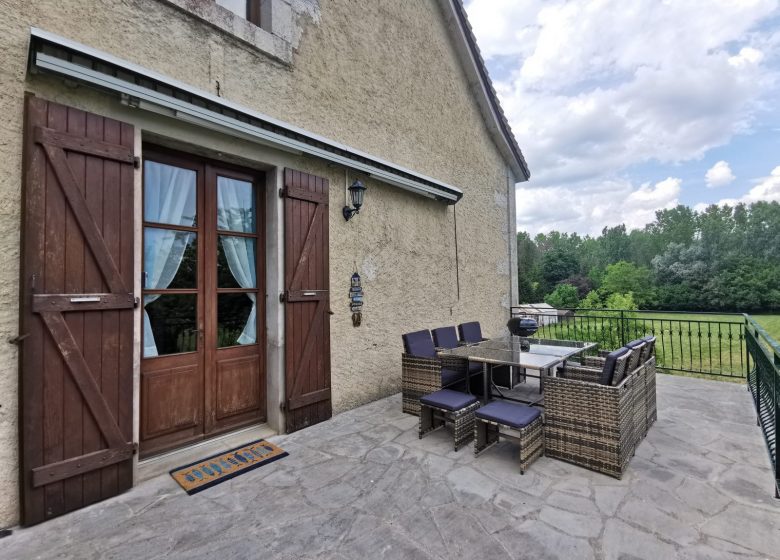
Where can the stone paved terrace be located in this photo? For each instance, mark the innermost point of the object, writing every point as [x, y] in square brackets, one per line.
[363, 486]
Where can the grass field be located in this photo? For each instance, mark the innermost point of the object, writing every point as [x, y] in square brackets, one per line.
[771, 323]
[690, 343]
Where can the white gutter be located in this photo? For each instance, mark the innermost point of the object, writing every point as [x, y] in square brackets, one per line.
[150, 99]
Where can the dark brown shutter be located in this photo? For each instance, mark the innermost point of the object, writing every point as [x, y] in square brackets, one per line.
[77, 310]
[307, 307]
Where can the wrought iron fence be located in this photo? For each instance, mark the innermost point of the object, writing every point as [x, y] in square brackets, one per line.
[763, 374]
[692, 343]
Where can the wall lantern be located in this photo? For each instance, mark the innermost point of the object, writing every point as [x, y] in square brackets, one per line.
[356, 192]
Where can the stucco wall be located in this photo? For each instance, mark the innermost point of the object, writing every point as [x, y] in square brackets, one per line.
[380, 76]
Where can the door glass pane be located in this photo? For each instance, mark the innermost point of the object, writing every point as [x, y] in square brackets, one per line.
[170, 259]
[170, 194]
[236, 319]
[236, 262]
[170, 324]
[235, 205]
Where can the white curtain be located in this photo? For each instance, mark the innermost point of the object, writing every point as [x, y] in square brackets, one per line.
[236, 213]
[169, 198]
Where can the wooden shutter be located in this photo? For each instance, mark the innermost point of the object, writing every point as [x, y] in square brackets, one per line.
[77, 310]
[307, 303]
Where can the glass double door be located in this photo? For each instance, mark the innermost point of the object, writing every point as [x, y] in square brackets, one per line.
[203, 364]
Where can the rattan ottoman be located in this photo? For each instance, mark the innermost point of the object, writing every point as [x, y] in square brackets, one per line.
[447, 406]
[517, 422]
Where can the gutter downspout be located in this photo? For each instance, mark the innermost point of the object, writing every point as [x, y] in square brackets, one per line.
[511, 209]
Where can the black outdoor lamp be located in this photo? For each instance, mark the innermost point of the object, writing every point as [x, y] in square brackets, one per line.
[356, 192]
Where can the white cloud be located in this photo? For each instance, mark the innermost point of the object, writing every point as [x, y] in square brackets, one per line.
[767, 188]
[589, 208]
[719, 175]
[593, 87]
[746, 56]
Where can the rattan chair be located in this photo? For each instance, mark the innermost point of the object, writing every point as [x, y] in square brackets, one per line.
[447, 337]
[646, 354]
[647, 405]
[592, 423]
[504, 376]
[423, 372]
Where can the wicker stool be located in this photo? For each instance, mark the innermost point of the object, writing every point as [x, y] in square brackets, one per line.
[513, 421]
[449, 407]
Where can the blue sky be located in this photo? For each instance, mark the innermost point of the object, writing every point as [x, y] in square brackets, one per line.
[624, 108]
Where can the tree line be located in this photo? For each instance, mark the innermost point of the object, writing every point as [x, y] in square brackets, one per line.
[723, 258]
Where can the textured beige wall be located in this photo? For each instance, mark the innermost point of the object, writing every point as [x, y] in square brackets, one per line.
[380, 76]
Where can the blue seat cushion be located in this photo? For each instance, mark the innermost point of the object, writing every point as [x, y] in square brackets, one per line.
[448, 399]
[608, 373]
[419, 343]
[508, 413]
[445, 337]
[470, 332]
[450, 376]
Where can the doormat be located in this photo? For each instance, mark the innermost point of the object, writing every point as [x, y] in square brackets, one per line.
[218, 468]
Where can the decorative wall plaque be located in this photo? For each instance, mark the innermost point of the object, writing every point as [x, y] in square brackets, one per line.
[356, 299]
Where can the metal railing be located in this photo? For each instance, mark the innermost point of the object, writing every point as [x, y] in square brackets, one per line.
[705, 344]
[763, 375]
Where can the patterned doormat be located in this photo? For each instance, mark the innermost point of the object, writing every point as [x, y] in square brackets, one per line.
[216, 469]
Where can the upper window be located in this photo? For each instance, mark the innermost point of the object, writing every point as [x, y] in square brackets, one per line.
[247, 9]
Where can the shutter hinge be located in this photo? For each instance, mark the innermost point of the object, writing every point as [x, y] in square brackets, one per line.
[283, 406]
[18, 339]
[136, 302]
[282, 297]
[137, 162]
[282, 192]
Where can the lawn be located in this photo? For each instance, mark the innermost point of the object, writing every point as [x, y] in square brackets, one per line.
[771, 323]
[691, 343]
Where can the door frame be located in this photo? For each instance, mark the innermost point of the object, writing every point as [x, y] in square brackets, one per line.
[208, 167]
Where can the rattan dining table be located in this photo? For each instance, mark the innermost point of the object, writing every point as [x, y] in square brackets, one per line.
[543, 355]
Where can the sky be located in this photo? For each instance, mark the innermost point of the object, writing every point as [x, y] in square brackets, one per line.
[623, 108]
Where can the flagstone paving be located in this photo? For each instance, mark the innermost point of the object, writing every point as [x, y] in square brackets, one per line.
[363, 486]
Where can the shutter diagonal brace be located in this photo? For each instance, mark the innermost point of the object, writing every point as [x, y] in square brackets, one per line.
[78, 205]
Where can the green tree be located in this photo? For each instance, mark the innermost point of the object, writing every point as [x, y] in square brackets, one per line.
[720, 258]
[674, 225]
[564, 296]
[627, 278]
[557, 265]
[582, 283]
[592, 301]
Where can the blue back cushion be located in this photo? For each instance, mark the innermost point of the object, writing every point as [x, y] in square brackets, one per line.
[470, 332]
[635, 343]
[445, 337]
[419, 343]
[609, 365]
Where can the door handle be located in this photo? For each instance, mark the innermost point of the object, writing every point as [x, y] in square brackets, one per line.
[310, 293]
[85, 299]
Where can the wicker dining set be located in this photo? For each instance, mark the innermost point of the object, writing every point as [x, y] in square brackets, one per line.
[589, 409]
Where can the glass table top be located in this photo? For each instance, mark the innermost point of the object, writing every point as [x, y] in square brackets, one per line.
[543, 353]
